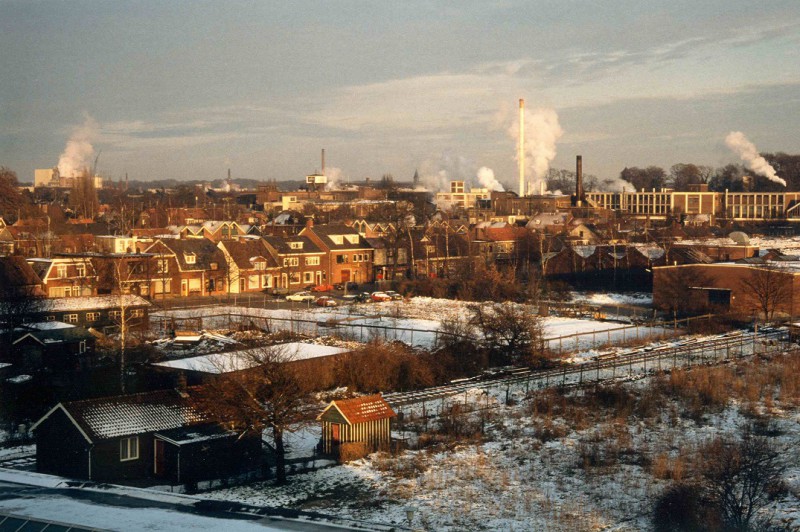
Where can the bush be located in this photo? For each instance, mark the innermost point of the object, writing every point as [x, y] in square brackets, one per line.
[682, 508]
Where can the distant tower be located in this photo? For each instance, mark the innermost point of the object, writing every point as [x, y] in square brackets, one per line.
[521, 155]
[416, 178]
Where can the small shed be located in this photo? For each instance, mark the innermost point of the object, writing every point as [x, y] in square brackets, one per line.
[364, 421]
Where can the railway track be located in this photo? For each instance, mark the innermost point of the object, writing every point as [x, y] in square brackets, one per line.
[629, 362]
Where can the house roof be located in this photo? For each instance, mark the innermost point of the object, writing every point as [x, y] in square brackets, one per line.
[361, 409]
[126, 415]
[16, 272]
[67, 304]
[205, 252]
[50, 332]
[283, 247]
[242, 253]
[326, 232]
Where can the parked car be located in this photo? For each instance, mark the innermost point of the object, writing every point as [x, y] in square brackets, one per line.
[301, 296]
[325, 301]
[394, 295]
[322, 288]
[363, 297]
[348, 286]
[380, 296]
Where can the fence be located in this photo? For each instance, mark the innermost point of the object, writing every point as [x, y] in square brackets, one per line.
[641, 362]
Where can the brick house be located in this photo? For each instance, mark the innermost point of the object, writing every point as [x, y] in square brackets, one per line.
[250, 265]
[350, 257]
[188, 267]
[66, 276]
[301, 262]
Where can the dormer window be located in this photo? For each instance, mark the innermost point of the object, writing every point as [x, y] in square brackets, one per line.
[190, 258]
[337, 239]
[296, 245]
[353, 239]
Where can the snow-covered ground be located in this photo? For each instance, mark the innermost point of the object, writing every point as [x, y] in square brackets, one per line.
[642, 299]
[534, 469]
[414, 321]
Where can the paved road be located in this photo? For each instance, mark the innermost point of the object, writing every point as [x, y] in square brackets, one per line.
[94, 509]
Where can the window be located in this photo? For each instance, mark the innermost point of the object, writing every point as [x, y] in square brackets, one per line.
[70, 318]
[129, 448]
[292, 261]
[308, 277]
[49, 318]
[68, 291]
[252, 281]
[81, 270]
[214, 266]
[137, 313]
[296, 245]
[342, 259]
[82, 347]
[353, 239]
[266, 281]
[163, 266]
[337, 239]
[260, 265]
[190, 258]
[294, 278]
[61, 271]
[114, 314]
[92, 316]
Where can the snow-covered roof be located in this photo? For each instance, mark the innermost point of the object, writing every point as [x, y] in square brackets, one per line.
[218, 363]
[65, 304]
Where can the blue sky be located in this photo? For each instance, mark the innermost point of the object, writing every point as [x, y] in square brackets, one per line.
[189, 89]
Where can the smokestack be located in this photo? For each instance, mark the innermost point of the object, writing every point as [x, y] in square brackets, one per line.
[323, 161]
[579, 196]
[521, 147]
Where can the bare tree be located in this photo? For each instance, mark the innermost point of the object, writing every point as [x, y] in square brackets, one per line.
[258, 391]
[769, 287]
[509, 332]
[739, 475]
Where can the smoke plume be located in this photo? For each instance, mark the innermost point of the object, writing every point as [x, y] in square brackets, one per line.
[487, 180]
[748, 153]
[542, 132]
[78, 154]
[436, 175]
[334, 176]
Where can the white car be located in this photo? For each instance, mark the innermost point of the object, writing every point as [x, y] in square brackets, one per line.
[301, 296]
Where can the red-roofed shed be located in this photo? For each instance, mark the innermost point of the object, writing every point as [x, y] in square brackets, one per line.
[363, 420]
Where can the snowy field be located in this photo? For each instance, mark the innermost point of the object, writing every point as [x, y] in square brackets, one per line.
[529, 472]
[414, 321]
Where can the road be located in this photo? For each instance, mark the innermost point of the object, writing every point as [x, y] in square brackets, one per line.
[115, 510]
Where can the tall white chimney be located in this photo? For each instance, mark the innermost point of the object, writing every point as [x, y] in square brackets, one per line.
[521, 156]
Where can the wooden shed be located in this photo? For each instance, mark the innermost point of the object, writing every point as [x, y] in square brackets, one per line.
[362, 421]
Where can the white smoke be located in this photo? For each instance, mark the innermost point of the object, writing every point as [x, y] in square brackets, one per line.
[542, 132]
[436, 175]
[487, 180]
[334, 176]
[615, 184]
[78, 154]
[748, 153]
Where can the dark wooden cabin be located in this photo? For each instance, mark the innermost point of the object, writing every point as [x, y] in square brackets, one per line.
[149, 435]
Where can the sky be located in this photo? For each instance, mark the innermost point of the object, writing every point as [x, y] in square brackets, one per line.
[186, 90]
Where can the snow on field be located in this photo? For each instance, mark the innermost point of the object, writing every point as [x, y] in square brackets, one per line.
[415, 321]
[105, 517]
[595, 298]
[533, 471]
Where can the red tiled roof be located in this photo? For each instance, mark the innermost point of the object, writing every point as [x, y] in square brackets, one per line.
[363, 409]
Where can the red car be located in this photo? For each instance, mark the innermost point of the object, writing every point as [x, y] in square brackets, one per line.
[322, 288]
[380, 296]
